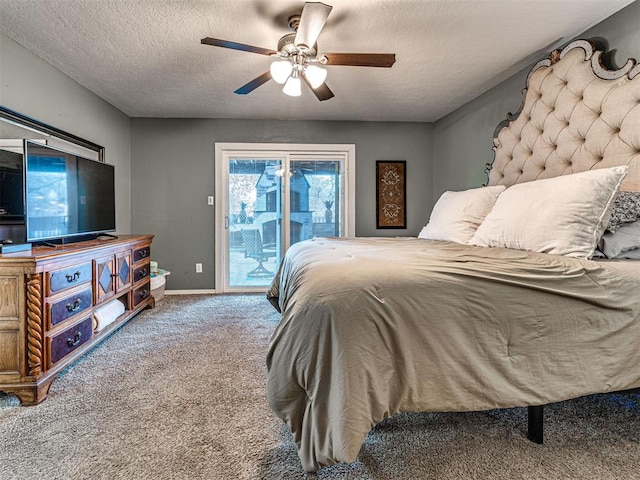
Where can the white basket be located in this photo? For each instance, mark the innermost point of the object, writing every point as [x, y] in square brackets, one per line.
[158, 284]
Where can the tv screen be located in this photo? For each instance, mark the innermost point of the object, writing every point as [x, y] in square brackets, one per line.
[66, 195]
[11, 196]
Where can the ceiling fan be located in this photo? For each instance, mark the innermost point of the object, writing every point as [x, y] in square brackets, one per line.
[298, 58]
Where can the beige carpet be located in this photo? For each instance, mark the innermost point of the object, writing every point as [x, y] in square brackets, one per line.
[179, 393]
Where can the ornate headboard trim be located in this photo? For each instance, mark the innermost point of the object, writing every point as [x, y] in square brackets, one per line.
[558, 130]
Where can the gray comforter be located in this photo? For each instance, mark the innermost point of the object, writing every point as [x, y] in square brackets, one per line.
[375, 326]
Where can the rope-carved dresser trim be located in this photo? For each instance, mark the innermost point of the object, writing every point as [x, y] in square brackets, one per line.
[34, 324]
[575, 115]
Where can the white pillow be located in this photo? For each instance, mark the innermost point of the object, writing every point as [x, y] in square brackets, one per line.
[563, 215]
[457, 215]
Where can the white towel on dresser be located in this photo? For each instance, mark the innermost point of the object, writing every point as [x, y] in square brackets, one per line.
[106, 315]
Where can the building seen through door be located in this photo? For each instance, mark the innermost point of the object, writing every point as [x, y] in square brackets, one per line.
[256, 212]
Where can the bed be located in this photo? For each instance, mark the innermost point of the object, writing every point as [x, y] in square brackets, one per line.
[509, 307]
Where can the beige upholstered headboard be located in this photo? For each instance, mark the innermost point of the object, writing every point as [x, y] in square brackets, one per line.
[576, 115]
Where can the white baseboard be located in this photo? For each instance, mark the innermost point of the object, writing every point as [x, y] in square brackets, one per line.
[191, 292]
[212, 292]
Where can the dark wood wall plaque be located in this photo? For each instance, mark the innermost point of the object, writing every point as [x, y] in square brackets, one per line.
[391, 194]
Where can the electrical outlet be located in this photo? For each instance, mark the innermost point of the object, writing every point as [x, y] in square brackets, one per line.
[198, 268]
[210, 200]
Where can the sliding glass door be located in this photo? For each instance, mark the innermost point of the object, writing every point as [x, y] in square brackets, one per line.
[269, 200]
[315, 198]
[253, 221]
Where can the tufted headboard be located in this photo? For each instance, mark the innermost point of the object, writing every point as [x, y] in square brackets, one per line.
[576, 115]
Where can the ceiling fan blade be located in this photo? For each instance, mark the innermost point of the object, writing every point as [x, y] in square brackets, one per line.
[216, 42]
[253, 84]
[361, 59]
[314, 16]
[323, 92]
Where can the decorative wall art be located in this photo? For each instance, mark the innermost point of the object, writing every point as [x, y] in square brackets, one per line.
[391, 194]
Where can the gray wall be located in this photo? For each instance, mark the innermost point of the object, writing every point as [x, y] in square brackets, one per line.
[463, 139]
[34, 88]
[173, 173]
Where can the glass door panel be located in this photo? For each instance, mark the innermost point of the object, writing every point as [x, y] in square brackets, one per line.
[315, 193]
[254, 217]
[270, 196]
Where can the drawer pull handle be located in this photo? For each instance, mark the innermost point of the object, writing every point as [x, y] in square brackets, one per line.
[143, 273]
[72, 307]
[72, 342]
[74, 277]
[143, 294]
[143, 253]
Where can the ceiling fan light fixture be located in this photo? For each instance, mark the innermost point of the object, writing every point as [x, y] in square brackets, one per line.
[280, 70]
[293, 87]
[297, 58]
[316, 75]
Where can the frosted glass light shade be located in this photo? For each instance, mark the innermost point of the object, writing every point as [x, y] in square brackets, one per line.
[280, 70]
[315, 75]
[292, 87]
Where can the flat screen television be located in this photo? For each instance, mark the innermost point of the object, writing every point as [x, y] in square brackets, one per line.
[67, 197]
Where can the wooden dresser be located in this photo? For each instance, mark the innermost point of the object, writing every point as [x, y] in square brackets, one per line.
[48, 298]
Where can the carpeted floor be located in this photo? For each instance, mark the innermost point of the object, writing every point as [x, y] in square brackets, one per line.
[179, 393]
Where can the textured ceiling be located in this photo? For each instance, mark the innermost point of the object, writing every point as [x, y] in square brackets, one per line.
[145, 56]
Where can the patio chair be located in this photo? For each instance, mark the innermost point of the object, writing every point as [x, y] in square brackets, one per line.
[254, 248]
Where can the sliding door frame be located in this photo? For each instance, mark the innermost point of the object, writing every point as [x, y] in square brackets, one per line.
[289, 152]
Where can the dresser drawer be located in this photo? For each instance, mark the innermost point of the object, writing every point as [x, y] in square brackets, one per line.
[69, 340]
[70, 306]
[141, 253]
[141, 272]
[141, 293]
[60, 280]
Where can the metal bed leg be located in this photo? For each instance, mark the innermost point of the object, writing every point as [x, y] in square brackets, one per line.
[536, 423]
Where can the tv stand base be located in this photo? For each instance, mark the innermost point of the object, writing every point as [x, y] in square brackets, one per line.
[56, 242]
[108, 235]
